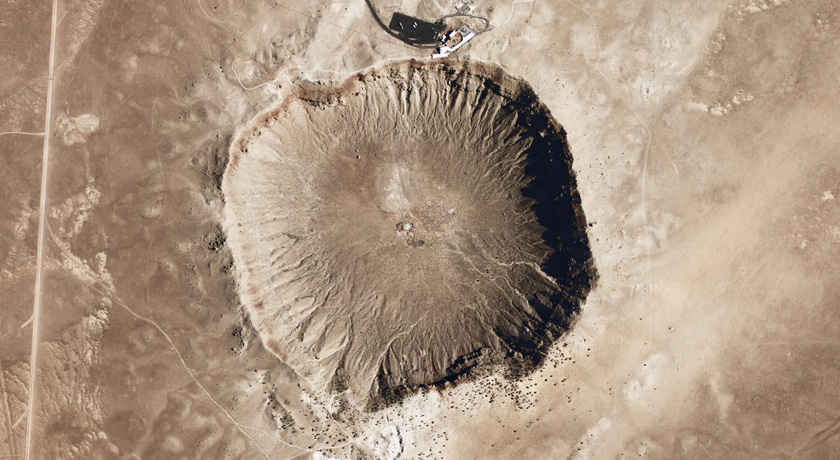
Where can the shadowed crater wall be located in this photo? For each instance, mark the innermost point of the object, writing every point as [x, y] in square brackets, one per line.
[406, 226]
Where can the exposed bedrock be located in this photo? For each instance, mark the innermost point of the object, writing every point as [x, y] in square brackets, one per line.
[407, 226]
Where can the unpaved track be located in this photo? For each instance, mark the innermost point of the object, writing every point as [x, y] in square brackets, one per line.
[40, 252]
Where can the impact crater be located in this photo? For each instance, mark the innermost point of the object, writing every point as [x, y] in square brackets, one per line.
[407, 226]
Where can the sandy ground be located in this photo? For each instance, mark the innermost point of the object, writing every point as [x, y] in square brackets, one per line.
[705, 143]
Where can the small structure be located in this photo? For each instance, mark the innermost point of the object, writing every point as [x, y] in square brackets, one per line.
[454, 40]
[415, 31]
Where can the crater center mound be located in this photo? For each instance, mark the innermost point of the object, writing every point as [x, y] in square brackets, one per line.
[406, 226]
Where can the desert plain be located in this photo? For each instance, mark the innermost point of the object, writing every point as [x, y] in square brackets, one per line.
[703, 142]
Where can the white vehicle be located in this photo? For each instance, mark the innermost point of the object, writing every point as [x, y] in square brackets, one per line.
[454, 40]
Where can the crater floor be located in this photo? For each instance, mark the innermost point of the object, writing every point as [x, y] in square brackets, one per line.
[406, 226]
